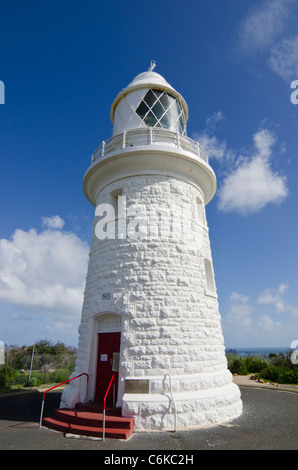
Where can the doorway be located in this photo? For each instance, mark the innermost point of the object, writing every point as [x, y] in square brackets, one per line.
[108, 353]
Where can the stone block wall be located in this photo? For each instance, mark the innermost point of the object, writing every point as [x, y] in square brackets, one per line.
[156, 279]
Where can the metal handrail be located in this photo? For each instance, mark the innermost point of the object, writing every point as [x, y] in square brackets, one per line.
[173, 401]
[44, 394]
[148, 136]
[104, 409]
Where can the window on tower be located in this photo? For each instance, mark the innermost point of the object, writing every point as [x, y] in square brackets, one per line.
[209, 276]
[200, 211]
[159, 109]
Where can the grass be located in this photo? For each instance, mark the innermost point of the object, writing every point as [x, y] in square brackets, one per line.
[15, 380]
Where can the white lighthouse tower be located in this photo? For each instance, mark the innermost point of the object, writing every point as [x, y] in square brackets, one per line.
[150, 315]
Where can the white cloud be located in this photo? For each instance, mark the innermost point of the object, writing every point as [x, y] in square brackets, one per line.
[240, 298]
[275, 297]
[54, 222]
[266, 323]
[214, 119]
[253, 183]
[44, 272]
[213, 146]
[240, 314]
[264, 141]
[263, 31]
[263, 25]
[250, 182]
[248, 321]
[284, 58]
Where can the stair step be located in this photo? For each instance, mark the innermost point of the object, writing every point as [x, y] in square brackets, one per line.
[92, 419]
[97, 407]
[87, 420]
[114, 433]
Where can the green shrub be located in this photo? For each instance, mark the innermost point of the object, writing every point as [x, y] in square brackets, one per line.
[288, 377]
[278, 368]
[280, 375]
[280, 360]
[33, 382]
[269, 373]
[237, 365]
[20, 379]
[255, 364]
[60, 375]
[55, 377]
[7, 375]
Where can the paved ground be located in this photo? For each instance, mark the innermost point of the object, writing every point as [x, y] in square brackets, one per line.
[269, 421]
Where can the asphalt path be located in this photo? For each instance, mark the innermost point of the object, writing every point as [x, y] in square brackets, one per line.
[269, 422]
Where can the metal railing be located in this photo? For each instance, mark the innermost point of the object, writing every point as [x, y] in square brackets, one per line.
[52, 388]
[173, 401]
[104, 409]
[148, 136]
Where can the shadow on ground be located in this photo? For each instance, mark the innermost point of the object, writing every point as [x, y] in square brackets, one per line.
[26, 407]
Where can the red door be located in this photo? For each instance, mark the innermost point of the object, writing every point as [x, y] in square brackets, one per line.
[107, 364]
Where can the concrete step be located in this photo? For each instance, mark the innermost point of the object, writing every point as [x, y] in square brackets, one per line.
[86, 420]
[91, 431]
[92, 419]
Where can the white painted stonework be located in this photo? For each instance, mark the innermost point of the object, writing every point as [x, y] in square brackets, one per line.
[159, 289]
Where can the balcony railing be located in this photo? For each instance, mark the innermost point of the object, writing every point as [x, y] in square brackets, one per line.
[148, 136]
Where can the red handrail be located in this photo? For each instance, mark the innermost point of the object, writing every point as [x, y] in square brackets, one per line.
[104, 408]
[62, 383]
[104, 400]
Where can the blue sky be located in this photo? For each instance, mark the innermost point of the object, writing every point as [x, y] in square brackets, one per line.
[63, 63]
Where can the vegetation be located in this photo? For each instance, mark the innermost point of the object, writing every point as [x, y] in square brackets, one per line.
[51, 364]
[276, 368]
[54, 363]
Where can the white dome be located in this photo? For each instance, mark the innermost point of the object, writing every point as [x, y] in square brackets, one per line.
[151, 78]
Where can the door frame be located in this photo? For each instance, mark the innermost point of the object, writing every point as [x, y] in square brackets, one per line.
[104, 368]
[100, 324]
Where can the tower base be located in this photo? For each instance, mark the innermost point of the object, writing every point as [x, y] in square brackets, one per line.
[183, 410]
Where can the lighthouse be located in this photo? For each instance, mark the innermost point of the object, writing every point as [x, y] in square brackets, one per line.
[150, 317]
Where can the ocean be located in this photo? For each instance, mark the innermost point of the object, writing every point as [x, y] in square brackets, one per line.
[261, 352]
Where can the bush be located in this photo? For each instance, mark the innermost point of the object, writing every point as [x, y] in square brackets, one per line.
[237, 365]
[60, 375]
[55, 377]
[280, 375]
[46, 355]
[7, 375]
[279, 367]
[33, 382]
[255, 364]
[288, 377]
[53, 363]
[279, 360]
[269, 373]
